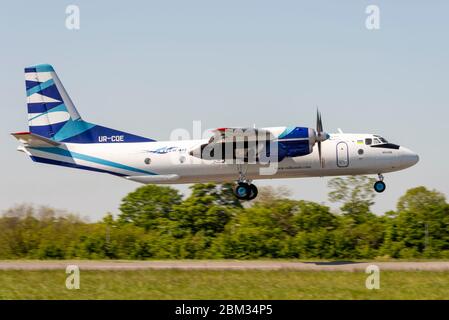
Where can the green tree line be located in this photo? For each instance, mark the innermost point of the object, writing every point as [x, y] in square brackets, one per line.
[156, 222]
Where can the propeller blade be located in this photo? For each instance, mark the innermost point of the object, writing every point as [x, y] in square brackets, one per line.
[319, 123]
[319, 153]
[320, 134]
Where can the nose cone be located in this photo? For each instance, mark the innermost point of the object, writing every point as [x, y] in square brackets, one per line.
[407, 157]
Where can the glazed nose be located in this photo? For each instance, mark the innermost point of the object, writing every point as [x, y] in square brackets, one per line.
[407, 157]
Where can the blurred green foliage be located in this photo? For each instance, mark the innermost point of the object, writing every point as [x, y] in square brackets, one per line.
[157, 223]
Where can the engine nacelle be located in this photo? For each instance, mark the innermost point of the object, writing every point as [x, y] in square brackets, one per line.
[296, 142]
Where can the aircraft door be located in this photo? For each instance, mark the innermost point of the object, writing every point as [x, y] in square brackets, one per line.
[342, 155]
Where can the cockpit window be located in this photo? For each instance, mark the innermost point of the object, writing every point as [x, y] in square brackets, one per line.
[379, 139]
[368, 141]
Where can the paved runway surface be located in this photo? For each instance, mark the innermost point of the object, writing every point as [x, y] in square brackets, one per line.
[223, 265]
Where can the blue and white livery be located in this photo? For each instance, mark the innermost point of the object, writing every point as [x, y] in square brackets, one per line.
[58, 135]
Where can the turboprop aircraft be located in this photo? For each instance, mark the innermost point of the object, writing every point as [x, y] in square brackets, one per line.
[59, 136]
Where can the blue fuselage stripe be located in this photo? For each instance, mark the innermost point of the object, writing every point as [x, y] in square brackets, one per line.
[73, 165]
[70, 154]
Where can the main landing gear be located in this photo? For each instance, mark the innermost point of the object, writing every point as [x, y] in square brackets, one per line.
[244, 189]
[380, 186]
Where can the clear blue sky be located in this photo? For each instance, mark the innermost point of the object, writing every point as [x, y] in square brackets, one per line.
[150, 66]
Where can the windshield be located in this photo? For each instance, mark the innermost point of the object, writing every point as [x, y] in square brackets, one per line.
[379, 140]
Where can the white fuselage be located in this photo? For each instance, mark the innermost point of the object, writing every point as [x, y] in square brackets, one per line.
[170, 162]
[59, 136]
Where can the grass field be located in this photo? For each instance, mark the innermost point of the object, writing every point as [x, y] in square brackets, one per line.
[189, 284]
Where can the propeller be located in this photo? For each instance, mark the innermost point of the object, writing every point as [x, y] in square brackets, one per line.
[320, 135]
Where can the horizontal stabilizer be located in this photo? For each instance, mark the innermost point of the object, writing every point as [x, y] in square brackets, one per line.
[34, 140]
[154, 179]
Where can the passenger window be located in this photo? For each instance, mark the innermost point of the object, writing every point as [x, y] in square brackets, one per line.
[368, 141]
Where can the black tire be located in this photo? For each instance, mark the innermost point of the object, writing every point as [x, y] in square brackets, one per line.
[242, 191]
[253, 192]
[379, 186]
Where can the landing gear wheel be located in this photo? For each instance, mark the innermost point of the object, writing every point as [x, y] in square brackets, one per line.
[253, 192]
[245, 191]
[380, 186]
[242, 191]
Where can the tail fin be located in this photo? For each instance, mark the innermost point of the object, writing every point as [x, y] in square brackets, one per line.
[49, 106]
[52, 114]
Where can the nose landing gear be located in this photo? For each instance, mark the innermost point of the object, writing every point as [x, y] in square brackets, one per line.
[380, 186]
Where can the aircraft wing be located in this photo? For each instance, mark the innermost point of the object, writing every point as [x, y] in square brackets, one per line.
[228, 134]
[232, 143]
[34, 140]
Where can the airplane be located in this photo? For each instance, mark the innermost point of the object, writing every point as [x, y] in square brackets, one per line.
[59, 136]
